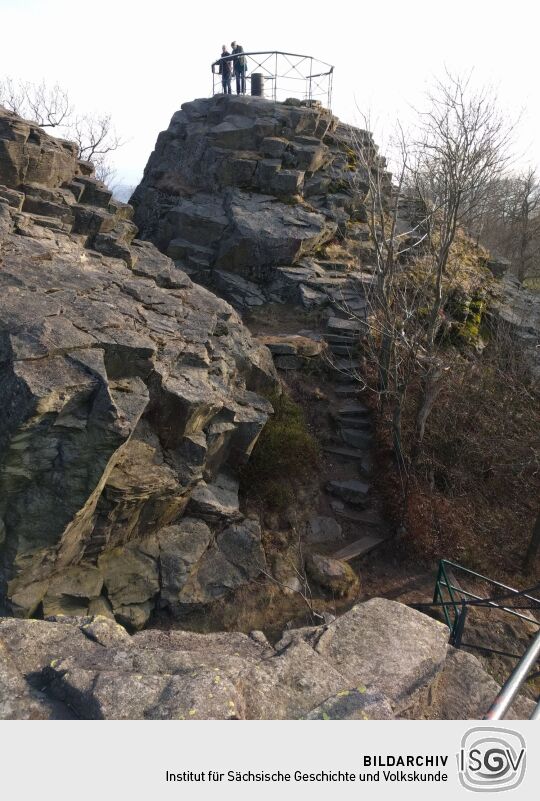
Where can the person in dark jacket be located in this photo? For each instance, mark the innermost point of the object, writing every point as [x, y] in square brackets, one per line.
[239, 66]
[225, 70]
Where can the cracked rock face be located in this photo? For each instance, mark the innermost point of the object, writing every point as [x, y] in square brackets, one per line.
[123, 388]
[240, 189]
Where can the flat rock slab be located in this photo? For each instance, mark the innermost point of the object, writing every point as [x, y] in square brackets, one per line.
[336, 324]
[294, 344]
[359, 547]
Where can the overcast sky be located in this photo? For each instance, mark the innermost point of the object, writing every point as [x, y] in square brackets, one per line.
[141, 60]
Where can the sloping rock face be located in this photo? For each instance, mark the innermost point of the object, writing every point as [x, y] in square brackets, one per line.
[381, 660]
[519, 311]
[239, 190]
[128, 395]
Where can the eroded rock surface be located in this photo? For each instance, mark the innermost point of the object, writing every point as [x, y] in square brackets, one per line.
[246, 193]
[126, 391]
[380, 660]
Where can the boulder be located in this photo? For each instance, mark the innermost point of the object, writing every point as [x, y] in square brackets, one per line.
[333, 575]
[217, 500]
[385, 646]
[323, 529]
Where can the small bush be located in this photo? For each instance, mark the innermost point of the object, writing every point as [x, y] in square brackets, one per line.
[285, 456]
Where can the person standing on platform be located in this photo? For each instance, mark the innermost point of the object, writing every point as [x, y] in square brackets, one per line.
[239, 66]
[225, 70]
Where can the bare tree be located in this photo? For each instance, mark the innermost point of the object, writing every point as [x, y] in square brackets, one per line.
[462, 147]
[443, 171]
[49, 106]
[96, 139]
[509, 223]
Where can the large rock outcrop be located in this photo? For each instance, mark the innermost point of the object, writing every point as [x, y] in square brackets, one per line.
[380, 660]
[246, 193]
[128, 401]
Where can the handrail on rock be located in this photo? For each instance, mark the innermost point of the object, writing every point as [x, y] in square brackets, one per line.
[277, 68]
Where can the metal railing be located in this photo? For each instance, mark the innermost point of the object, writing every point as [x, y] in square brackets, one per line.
[514, 682]
[453, 598]
[455, 602]
[284, 75]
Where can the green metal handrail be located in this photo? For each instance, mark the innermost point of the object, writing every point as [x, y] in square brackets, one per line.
[455, 609]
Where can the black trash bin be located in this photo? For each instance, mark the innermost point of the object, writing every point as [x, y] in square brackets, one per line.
[257, 84]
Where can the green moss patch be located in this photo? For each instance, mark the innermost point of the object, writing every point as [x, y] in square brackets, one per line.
[285, 456]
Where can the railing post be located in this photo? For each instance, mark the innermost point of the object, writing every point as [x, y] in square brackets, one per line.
[459, 626]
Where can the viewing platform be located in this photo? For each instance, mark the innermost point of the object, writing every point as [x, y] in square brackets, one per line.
[279, 76]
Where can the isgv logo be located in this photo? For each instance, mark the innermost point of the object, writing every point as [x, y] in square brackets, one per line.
[491, 759]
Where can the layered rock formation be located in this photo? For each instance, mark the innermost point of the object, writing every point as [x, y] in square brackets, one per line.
[128, 401]
[381, 660]
[245, 194]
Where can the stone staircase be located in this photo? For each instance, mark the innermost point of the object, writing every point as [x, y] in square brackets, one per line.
[352, 500]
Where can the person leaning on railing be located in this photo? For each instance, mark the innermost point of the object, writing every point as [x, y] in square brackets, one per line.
[225, 70]
[239, 66]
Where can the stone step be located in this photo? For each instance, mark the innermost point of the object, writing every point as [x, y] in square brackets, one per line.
[367, 517]
[332, 285]
[339, 339]
[352, 291]
[348, 454]
[344, 377]
[349, 366]
[347, 311]
[342, 350]
[347, 390]
[353, 408]
[353, 491]
[341, 326]
[363, 423]
[355, 438]
[359, 547]
[354, 305]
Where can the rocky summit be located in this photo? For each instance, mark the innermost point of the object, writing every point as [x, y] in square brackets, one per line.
[129, 401]
[132, 396]
[244, 193]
